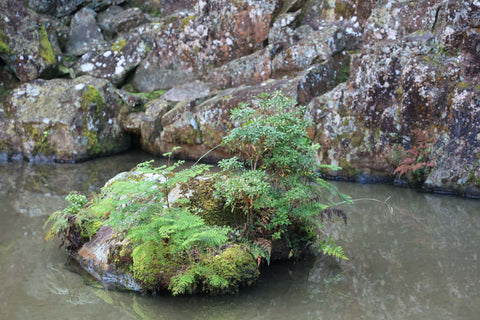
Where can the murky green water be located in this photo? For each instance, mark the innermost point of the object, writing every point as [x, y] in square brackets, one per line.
[419, 262]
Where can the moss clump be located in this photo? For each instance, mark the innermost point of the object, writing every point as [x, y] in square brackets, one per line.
[4, 48]
[212, 208]
[46, 51]
[155, 266]
[92, 98]
[118, 46]
[236, 265]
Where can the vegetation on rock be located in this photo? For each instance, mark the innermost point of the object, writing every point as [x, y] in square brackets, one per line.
[191, 231]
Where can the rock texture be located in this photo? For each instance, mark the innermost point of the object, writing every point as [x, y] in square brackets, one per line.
[387, 82]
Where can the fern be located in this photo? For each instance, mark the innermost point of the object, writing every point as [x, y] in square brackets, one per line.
[331, 249]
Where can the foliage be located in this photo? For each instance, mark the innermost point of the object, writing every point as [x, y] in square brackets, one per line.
[330, 248]
[73, 223]
[281, 186]
[417, 158]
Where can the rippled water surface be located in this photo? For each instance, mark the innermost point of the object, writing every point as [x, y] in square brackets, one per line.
[420, 261]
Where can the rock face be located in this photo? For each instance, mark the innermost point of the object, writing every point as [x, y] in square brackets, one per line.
[389, 84]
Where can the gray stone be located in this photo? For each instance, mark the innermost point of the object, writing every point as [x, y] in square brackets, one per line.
[84, 33]
[113, 61]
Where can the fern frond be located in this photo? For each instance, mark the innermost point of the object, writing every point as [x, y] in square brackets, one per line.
[331, 249]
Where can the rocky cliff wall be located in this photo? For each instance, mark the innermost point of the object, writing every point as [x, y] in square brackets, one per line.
[392, 85]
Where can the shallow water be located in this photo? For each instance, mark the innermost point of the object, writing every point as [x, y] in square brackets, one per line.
[419, 261]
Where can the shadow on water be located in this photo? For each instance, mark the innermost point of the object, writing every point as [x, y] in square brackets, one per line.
[418, 262]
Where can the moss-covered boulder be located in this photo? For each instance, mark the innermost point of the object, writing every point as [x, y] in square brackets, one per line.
[67, 120]
[108, 235]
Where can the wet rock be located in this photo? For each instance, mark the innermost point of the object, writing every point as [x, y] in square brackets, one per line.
[84, 33]
[113, 61]
[67, 120]
[94, 257]
[25, 42]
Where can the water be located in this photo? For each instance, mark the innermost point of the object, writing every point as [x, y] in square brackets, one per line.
[420, 261]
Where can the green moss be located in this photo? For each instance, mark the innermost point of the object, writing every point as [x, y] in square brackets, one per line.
[93, 146]
[186, 21]
[154, 266]
[147, 95]
[356, 139]
[46, 51]
[212, 208]
[196, 50]
[344, 9]
[4, 48]
[399, 91]
[92, 98]
[463, 85]
[236, 265]
[348, 171]
[118, 46]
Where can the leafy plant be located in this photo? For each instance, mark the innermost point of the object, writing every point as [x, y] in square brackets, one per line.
[280, 186]
[417, 158]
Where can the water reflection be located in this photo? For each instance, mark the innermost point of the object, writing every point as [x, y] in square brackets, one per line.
[418, 262]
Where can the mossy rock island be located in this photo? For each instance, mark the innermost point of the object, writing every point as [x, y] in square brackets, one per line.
[158, 228]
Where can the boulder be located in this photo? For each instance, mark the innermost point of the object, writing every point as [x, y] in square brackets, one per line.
[114, 60]
[67, 120]
[25, 42]
[84, 35]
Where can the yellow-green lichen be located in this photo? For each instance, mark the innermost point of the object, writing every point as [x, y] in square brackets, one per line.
[93, 146]
[4, 48]
[92, 98]
[186, 21]
[118, 46]
[46, 51]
